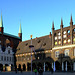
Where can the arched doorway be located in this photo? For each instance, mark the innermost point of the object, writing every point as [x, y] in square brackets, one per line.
[1, 67]
[6, 67]
[47, 66]
[34, 66]
[19, 67]
[39, 65]
[24, 67]
[28, 66]
[57, 66]
[12, 67]
[67, 66]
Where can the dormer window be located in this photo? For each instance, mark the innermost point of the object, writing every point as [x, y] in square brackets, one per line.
[44, 44]
[39, 41]
[26, 44]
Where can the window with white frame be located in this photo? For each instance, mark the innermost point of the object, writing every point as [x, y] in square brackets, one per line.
[7, 58]
[66, 52]
[1, 58]
[4, 58]
[10, 58]
[74, 52]
[57, 54]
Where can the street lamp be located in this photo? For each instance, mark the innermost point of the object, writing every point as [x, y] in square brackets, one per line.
[31, 52]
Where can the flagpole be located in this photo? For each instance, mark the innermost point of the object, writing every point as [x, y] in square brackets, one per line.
[31, 54]
[31, 46]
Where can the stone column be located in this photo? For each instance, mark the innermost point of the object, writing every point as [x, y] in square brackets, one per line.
[66, 65]
[54, 67]
[26, 67]
[62, 66]
[74, 66]
[3, 67]
[44, 66]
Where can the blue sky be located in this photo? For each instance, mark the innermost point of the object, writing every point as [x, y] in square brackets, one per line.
[36, 16]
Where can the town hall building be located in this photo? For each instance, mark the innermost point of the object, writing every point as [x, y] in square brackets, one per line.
[56, 50]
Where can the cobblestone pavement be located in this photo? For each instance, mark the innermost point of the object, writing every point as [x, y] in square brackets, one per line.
[29, 73]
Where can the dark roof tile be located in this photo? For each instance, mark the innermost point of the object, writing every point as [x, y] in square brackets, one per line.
[37, 46]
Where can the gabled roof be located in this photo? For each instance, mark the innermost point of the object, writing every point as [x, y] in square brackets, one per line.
[41, 43]
[10, 35]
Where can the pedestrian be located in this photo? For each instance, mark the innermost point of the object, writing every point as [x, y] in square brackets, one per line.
[52, 70]
[21, 70]
[35, 71]
[40, 71]
[16, 70]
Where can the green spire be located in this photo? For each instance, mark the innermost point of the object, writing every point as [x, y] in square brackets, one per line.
[1, 23]
[20, 30]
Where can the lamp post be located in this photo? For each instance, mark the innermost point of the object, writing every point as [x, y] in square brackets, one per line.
[31, 52]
